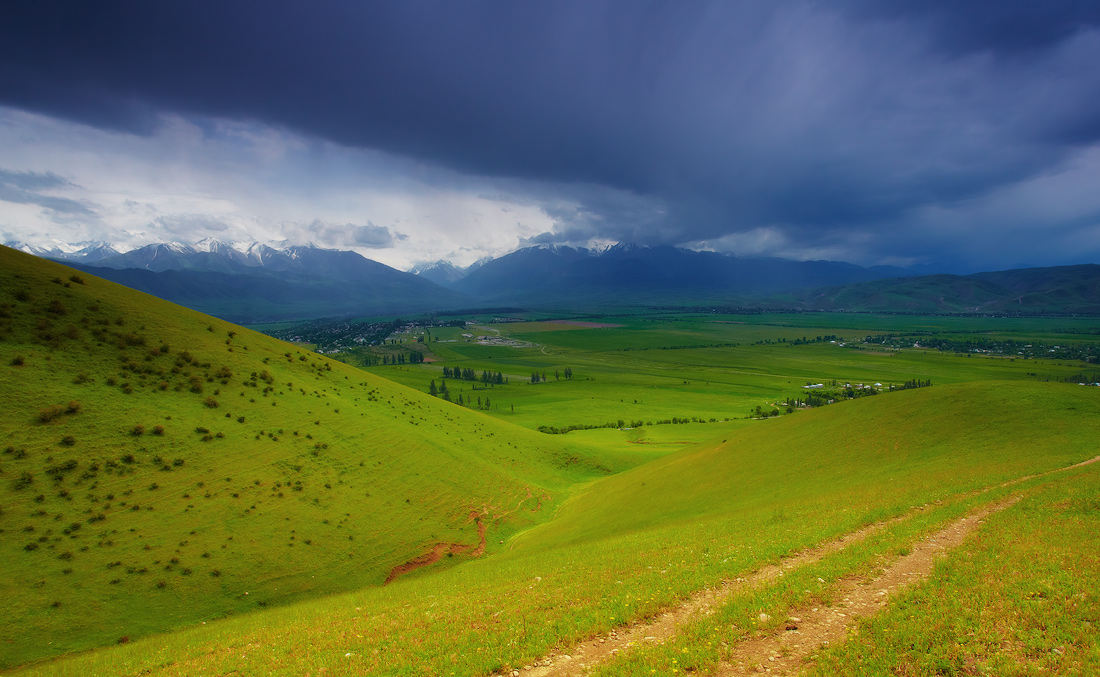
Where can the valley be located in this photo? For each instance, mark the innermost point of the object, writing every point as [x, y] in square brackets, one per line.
[203, 499]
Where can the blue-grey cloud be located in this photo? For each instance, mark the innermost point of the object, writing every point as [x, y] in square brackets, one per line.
[826, 122]
[190, 227]
[27, 187]
[369, 236]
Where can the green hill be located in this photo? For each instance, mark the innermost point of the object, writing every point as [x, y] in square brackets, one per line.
[159, 468]
[883, 453]
[638, 542]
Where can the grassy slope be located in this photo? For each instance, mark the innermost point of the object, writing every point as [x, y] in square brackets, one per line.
[312, 477]
[1019, 598]
[885, 452]
[643, 539]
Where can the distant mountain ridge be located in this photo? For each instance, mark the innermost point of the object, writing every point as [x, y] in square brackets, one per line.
[648, 274]
[252, 282]
[255, 282]
[1058, 289]
[88, 251]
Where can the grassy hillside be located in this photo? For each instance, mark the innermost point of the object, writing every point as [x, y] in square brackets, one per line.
[640, 541]
[159, 468]
[884, 452]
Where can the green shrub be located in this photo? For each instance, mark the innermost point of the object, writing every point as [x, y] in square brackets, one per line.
[137, 430]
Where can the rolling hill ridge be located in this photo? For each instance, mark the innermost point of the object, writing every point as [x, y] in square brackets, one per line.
[159, 467]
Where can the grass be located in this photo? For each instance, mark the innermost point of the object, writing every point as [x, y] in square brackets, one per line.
[144, 447]
[1020, 598]
[622, 552]
[657, 367]
[304, 480]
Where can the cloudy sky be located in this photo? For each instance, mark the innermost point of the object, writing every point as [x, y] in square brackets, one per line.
[963, 134]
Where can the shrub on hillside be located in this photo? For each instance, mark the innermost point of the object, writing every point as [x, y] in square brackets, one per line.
[51, 413]
[137, 430]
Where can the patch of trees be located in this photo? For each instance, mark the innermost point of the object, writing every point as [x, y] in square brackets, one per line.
[820, 398]
[403, 358]
[486, 377]
[444, 393]
[338, 334]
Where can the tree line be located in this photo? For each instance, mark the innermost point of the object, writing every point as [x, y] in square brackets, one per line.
[486, 377]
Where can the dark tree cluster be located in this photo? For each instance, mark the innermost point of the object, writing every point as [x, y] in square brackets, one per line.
[486, 377]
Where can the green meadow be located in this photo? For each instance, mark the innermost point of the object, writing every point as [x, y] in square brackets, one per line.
[181, 496]
[707, 367]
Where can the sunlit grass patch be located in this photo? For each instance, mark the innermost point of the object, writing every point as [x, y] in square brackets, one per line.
[1020, 598]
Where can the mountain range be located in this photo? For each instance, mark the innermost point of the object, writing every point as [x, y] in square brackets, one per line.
[255, 282]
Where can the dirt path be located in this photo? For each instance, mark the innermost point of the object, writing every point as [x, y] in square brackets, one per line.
[577, 661]
[811, 628]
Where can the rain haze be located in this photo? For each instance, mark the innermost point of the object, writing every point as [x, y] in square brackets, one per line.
[960, 135]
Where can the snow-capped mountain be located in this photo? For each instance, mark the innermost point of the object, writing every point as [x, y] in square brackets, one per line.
[254, 281]
[445, 273]
[87, 252]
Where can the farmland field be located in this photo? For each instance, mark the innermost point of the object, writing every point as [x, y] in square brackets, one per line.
[658, 367]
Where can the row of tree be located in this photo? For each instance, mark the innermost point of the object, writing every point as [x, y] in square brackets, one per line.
[444, 393]
[536, 377]
[486, 377]
[819, 398]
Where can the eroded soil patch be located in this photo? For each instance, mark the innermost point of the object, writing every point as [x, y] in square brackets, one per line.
[439, 550]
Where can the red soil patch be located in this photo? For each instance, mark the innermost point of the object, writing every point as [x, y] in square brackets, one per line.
[439, 550]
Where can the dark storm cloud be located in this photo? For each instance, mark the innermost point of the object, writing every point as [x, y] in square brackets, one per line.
[27, 187]
[1005, 27]
[825, 120]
